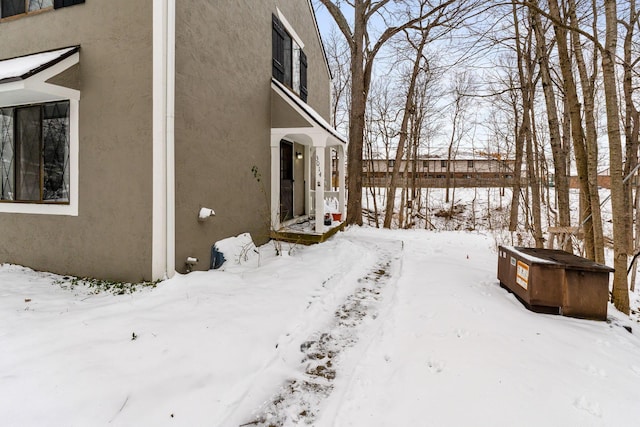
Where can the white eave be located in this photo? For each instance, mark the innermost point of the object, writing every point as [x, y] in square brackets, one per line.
[23, 80]
[309, 114]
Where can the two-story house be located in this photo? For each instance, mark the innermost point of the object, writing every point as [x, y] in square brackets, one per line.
[122, 121]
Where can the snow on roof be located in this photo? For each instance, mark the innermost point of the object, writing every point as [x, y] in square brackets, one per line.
[23, 67]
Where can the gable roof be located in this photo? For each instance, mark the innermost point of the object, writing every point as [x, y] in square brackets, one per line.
[23, 67]
[305, 111]
[26, 79]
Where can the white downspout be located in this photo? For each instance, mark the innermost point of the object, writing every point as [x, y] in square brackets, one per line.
[159, 133]
[170, 157]
[163, 101]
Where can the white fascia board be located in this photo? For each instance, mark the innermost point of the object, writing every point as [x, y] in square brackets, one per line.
[22, 65]
[324, 51]
[35, 89]
[311, 116]
[11, 87]
[58, 68]
[50, 90]
[290, 29]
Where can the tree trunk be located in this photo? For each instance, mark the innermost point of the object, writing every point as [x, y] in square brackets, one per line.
[575, 117]
[534, 180]
[519, 133]
[620, 258]
[409, 108]
[561, 181]
[356, 118]
[591, 142]
[631, 118]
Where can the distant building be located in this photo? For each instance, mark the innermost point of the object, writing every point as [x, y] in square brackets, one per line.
[433, 171]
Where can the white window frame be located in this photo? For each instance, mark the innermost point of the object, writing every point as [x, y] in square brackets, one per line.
[38, 91]
[289, 28]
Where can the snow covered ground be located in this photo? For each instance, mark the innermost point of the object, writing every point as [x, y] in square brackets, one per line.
[372, 328]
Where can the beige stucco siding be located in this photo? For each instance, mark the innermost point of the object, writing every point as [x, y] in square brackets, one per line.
[223, 116]
[111, 236]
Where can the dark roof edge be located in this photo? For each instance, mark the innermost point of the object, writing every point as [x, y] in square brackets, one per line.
[43, 67]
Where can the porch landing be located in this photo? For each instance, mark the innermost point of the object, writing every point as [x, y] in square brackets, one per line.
[303, 232]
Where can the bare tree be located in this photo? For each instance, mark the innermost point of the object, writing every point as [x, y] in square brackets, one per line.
[409, 110]
[364, 46]
[461, 87]
[620, 256]
[559, 152]
[587, 83]
[338, 56]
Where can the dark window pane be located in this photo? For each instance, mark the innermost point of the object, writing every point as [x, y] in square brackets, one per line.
[303, 76]
[55, 152]
[278, 35]
[6, 154]
[64, 3]
[28, 133]
[287, 61]
[12, 7]
[282, 51]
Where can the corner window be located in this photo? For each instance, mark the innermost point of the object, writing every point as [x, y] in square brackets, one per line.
[9, 8]
[34, 153]
[289, 63]
[19, 7]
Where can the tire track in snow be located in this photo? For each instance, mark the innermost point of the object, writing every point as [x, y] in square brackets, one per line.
[299, 399]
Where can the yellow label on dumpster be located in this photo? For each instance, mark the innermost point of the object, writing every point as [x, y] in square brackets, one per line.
[522, 274]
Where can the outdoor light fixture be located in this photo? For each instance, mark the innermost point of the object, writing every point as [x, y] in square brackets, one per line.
[298, 155]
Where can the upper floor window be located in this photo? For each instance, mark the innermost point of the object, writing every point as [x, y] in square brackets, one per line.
[289, 64]
[443, 163]
[469, 164]
[391, 163]
[34, 153]
[22, 7]
[19, 7]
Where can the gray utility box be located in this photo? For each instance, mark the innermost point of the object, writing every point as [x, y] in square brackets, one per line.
[554, 281]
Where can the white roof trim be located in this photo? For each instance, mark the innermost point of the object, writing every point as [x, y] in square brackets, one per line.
[312, 116]
[24, 66]
[290, 29]
[324, 52]
[23, 80]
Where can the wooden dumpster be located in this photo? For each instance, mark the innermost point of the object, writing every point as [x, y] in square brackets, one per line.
[554, 281]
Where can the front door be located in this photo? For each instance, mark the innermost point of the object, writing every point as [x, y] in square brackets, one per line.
[286, 180]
